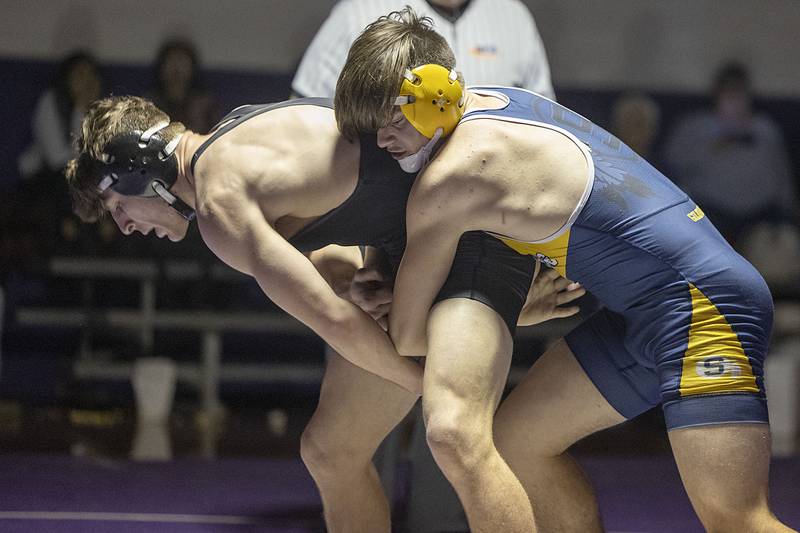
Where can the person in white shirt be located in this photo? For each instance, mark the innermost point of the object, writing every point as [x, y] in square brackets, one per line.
[58, 115]
[42, 198]
[495, 42]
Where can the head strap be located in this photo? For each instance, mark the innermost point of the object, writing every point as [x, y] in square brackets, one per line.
[144, 138]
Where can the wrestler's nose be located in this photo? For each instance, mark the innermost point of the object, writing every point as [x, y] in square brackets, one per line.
[384, 138]
[124, 223]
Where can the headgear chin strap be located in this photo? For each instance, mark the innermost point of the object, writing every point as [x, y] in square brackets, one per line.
[431, 98]
[141, 163]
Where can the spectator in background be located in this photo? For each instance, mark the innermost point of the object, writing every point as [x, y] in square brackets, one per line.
[495, 42]
[180, 93]
[42, 212]
[58, 115]
[178, 90]
[635, 120]
[732, 160]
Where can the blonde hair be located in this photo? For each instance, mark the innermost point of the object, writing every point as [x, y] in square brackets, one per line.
[105, 119]
[373, 72]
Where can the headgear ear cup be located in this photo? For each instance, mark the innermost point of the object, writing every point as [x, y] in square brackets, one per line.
[431, 98]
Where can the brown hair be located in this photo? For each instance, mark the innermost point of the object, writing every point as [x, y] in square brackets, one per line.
[105, 119]
[373, 73]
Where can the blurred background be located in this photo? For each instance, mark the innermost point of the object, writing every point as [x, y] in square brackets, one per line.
[119, 351]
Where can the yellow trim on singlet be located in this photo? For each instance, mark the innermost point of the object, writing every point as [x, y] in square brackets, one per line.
[552, 253]
[714, 361]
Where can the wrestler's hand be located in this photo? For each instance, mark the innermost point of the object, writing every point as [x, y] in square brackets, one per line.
[371, 290]
[547, 297]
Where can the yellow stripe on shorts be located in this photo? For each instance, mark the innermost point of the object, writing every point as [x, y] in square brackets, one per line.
[714, 361]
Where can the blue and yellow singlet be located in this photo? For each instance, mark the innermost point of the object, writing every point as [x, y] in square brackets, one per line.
[686, 319]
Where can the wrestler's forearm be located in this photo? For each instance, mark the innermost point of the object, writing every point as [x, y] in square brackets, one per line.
[290, 280]
[360, 340]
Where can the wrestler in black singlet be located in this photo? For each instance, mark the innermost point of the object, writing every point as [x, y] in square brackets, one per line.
[484, 268]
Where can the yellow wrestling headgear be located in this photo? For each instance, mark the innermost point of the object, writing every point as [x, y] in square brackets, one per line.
[431, 98]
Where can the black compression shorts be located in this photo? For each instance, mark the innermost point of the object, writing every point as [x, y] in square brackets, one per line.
[488, 271]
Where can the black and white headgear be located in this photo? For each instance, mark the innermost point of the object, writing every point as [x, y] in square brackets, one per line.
[142, 163]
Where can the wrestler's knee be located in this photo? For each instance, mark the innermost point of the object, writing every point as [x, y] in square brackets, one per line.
[312, 449]
[329, 453]
[717, 517]
[723, 510]
[458, 441]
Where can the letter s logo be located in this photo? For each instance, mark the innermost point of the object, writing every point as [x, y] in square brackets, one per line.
[712, 367]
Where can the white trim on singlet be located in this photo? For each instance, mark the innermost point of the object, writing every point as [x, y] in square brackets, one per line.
[587, 153]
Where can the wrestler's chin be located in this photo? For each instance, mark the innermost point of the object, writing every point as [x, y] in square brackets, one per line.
[179, 235]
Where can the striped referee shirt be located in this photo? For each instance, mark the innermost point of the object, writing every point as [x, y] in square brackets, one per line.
[495, 43]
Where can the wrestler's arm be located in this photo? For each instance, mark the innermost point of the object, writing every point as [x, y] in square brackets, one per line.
[337, 265]
[436, 217]
[234, 228]
[377, 259]
[372, 285]
[366, 282]
[548, 297]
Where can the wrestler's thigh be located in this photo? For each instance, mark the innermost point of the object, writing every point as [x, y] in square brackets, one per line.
[469, 353]
[554, 406]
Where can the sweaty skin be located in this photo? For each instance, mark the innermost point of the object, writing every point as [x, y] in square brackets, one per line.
[253, 188]
[524, 182]
[510, 179]
[261, 195]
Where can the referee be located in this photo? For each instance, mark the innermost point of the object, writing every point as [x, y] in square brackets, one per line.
[495, 43]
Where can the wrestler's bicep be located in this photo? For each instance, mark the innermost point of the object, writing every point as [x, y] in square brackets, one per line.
[244, 239]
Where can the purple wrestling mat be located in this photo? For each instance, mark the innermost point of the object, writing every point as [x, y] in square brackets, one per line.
[43, 493]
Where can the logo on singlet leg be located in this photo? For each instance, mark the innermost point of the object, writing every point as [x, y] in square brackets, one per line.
[695, 214]
[717, 366]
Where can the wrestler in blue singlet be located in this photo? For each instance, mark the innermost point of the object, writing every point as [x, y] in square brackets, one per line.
[686, 320]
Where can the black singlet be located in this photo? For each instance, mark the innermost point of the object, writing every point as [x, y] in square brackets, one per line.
[373, 215]
[484, 269]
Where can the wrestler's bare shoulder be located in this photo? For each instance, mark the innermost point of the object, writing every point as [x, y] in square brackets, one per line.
[286, 124]
[272, 140]
[492, 157]
[282, 156]
[499, 147]
[509, 174]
